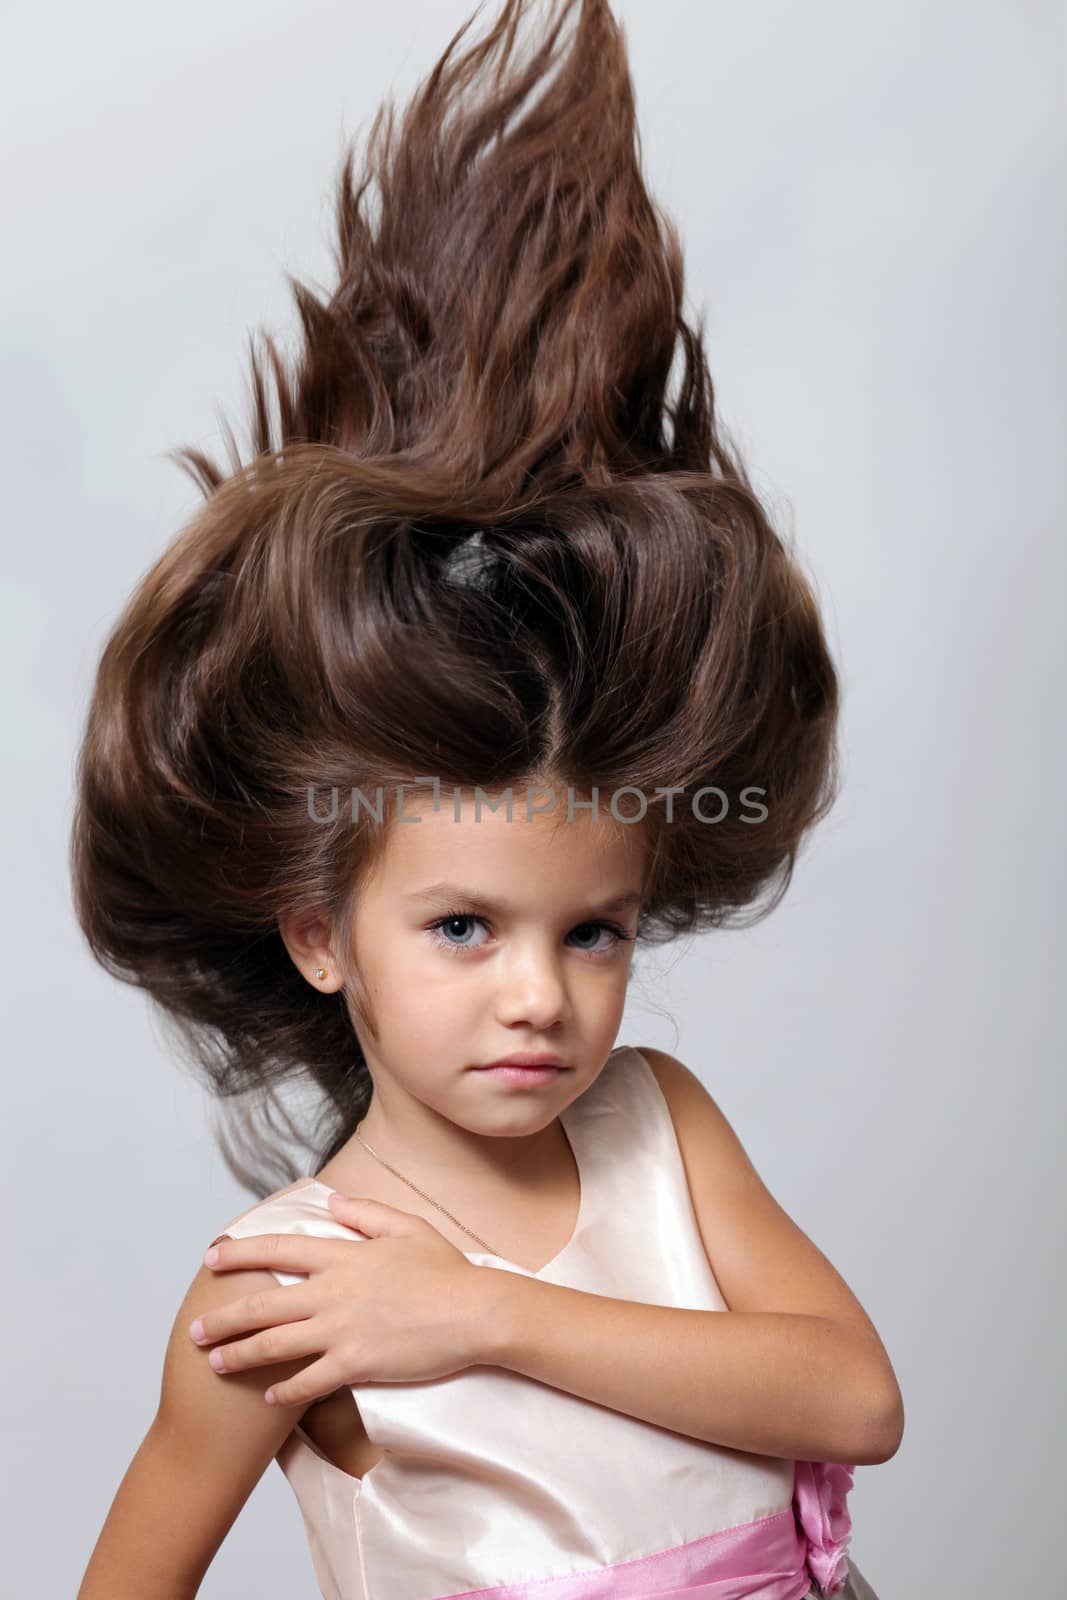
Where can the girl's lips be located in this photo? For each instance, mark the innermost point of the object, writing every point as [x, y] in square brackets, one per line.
[523, 1075]
[525, 1058]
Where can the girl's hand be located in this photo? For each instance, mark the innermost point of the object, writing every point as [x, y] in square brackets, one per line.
[402, 1304]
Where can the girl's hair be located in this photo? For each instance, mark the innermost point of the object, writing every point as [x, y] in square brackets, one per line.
[479, 542]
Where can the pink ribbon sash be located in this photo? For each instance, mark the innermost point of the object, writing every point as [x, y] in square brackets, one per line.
[761, 1560]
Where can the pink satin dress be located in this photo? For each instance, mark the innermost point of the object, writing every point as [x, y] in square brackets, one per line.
[493, 1485]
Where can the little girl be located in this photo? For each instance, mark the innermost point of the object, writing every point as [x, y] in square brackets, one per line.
[487, 667]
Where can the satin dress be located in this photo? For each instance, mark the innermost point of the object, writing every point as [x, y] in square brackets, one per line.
[496, 1486]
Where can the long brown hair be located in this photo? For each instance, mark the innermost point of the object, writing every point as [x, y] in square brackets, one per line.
[478, 537]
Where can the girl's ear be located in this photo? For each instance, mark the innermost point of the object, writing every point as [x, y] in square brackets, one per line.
[308, 942]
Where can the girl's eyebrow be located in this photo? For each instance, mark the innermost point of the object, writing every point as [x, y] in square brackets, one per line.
[478, 902]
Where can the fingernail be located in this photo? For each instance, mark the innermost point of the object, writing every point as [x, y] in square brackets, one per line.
[211, 1256]
[217, 1361]
[196, 1331]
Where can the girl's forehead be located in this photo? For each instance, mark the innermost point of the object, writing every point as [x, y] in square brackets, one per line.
[454, 842]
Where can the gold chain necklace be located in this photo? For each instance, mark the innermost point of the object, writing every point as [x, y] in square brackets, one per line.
[417, 1190]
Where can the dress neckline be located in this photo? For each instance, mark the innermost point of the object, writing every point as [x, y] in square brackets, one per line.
[569, 1133]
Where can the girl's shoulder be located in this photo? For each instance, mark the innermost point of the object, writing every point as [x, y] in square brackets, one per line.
[299, 1207]
[626, 1101]
[635, 1072]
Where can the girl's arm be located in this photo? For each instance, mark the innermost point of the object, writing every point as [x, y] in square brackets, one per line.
[207, 1448]
[797, 1371]
[786, 1385]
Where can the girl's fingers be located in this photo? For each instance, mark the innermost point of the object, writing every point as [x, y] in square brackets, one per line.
[259, 1310]
[278, 1252]
[265, 1349]
[314, 1383]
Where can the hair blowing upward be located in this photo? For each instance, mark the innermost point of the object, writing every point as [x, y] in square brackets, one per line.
[478, 540]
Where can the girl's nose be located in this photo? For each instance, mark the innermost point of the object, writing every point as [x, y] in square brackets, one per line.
[532, 990]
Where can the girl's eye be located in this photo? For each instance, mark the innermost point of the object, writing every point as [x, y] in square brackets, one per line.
[447, 926]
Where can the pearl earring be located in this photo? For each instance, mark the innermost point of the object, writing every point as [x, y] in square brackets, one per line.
[320, 972]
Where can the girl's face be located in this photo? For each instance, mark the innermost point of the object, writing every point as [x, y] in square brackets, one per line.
[477, 938]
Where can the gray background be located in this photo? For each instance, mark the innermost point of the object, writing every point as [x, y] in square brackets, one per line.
[869, 197]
